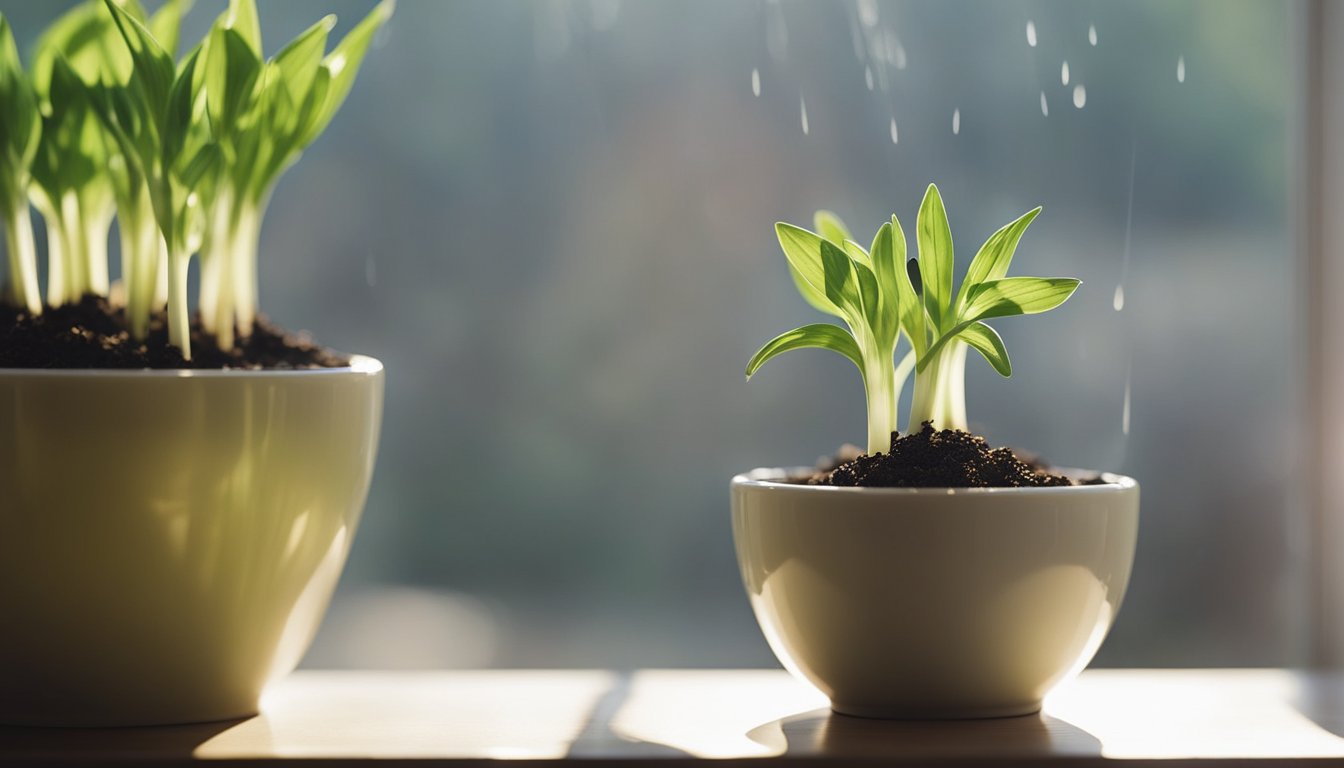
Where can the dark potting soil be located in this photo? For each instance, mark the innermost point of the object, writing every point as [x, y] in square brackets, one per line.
[93, 334]
[945, 458]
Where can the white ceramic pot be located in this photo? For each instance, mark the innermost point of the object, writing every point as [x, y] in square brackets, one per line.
[169, 540]
[934, 603]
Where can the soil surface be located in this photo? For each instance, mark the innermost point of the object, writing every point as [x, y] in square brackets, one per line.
[934, 458]
[92, 334]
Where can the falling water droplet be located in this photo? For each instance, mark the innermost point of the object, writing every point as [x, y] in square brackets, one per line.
[1092, 34]
[1031, 33]
[755, 82]
[868, 12]
[1124, 410]
[1118, 301]
[1064, 73]
[1045, 108]
[868, 77]
[893, 130]
[1079, 96]
[802, 113]
[956, 121]
[1180, 69]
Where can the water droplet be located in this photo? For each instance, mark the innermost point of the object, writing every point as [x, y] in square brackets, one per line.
[1031, 33]
[1079, 96]
[1180, 69]
[868, 77]
[755, 82]
[1045, 108]
[1092, 34]
[1124, 410]
[893, 130]
[1118, 301]
[802, 113]
[868, 12]
[897, 54]
[1064, 73]
[370, 271]
[956, 121]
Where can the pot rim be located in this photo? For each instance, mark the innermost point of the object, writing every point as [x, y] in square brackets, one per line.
[359, 365]
[771, 478]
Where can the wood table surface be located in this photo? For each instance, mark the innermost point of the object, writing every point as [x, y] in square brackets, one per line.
[1105, 717]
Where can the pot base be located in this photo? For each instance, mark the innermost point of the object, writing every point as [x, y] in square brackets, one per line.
[936, 713]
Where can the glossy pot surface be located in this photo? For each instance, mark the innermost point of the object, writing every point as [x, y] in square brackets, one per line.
[169, 540]
[934, 603]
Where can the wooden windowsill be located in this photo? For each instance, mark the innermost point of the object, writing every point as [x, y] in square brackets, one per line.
[1232, 717]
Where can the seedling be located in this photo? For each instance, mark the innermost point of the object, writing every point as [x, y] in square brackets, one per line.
[184, 153]
[883, 298]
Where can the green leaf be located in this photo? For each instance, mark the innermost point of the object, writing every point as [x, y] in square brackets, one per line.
[935, 258]
[152, 65]
[1018, 296]
[830, 227]
[989, 344]
[856, 252]
[841, 284]
[802, 249]
[179, 109]
[908, 301]
[242, 18]
[166, 23]
[20, 123]
[231, 72]
[298, 63]
[992, 260]
[342, 64]
[870, 302]
[815, 336]
[1005, 298]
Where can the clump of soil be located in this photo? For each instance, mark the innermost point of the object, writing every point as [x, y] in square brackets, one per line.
[945, 458]
[93, 334]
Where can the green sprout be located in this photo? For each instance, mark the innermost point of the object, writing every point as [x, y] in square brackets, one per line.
[263, 114]
[882, 298]
[184, 153]
[20, 133]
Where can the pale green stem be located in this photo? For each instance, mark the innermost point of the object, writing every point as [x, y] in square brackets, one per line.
[57, 261]
[179, 324]
[879, 380]
[141, 253]
[96, 228]
[940, 390]
[22, 260]
[247, 232]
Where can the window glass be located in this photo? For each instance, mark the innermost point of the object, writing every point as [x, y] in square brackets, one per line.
[553, 223]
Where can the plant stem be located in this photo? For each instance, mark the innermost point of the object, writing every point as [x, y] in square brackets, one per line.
[247, 232]
[22, 259]
[141, 253]
[179, 328]
[940, 390]
[879, 382]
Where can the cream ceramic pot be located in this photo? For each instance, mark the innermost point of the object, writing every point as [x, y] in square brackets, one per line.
[169, 540]
[934, 603]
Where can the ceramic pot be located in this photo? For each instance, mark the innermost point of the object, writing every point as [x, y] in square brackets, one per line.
[169, 540]
[934, 603]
